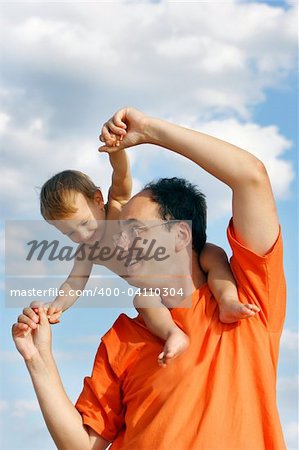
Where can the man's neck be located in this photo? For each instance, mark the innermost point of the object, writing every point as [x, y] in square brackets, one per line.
[198, 276]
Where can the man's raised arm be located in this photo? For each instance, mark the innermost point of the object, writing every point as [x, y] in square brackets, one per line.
[254, 213]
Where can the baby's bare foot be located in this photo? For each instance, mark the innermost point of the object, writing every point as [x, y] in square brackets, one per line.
[231, 311]
[176, 343]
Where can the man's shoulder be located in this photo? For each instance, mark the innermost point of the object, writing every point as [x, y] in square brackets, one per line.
[123, 340]
[248, 256]
[260, 279]
[122, 320]
[125, 330]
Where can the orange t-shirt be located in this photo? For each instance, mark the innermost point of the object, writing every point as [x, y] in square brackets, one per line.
[219, 394]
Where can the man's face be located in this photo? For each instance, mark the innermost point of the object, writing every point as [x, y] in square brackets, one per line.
[141, 211]
[87, 224]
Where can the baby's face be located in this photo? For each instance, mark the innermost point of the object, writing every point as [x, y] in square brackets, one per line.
[87, 225]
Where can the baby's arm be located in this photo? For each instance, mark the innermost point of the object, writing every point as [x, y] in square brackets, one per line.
[159, 321]
[76, 281]
[121, 184]
[213, 261]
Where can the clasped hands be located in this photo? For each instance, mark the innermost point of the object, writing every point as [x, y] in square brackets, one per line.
[32, 332]
[126, 128]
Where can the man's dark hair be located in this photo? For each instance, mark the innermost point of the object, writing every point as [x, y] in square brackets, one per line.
[181, 200]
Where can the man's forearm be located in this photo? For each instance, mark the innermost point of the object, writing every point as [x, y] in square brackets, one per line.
[63, 420]
[225, 161]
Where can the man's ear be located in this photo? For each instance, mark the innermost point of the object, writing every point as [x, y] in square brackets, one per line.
[183, 236]
[98, 198]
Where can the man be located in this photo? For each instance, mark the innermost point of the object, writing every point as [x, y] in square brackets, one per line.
[221, 392]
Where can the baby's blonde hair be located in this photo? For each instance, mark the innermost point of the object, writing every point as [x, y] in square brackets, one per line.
[57, 195]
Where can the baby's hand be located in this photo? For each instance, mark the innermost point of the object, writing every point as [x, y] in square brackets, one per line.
[54, 310]
[113, 132]
[127, 128]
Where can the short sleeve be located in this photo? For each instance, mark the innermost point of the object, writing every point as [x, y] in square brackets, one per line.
[260, 279]
[100, 402]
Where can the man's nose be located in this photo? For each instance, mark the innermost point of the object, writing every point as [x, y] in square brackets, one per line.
[123, 244]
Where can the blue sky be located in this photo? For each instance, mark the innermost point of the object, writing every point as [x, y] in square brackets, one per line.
[225, 68]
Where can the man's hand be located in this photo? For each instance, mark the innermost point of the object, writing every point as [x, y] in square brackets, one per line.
[31, 340]
[63, 420]
[126, 128]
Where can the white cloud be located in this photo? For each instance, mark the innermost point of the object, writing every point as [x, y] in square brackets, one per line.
[2, 241]
[21, 408]
[289, 347]
[291, 435]
[203, 57]
[194, 60]
[4, 120]
[290, 340]
[288, 384]
[30, 158]
[3, 405]
[28, 149]
[137, 185]
[265, 142]
[287, 395]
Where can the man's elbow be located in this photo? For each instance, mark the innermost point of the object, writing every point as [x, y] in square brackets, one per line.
[96, 442]
[256, 173]
[261, 170]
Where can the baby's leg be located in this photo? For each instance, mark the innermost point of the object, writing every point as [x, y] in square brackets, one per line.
[231, 310]
[159, 321]
[214, 262]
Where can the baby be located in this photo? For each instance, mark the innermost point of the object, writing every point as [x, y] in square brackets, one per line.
[76, 206]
